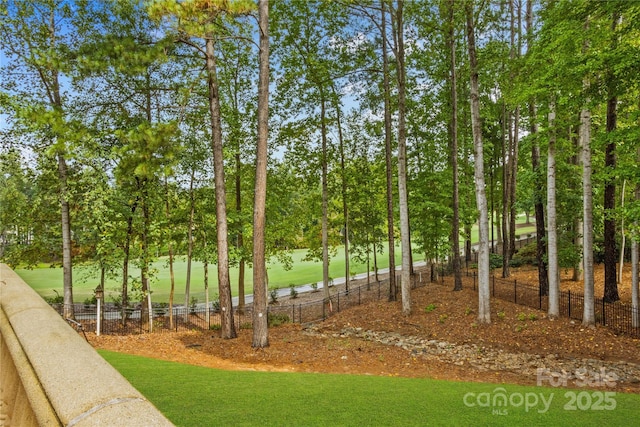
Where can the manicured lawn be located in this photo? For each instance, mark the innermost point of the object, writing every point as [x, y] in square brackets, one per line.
[45, 279]
[196, 396]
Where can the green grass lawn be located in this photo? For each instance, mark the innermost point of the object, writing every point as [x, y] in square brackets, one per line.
[44, 279]
[197, 396]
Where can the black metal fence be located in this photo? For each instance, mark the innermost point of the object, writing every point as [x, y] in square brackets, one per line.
[200, 317]
[618, 316]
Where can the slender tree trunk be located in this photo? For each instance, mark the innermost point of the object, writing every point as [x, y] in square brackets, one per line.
[170, 247]
[240, 235]
[635, 260]
[146, 314]
[588, 316]
[393, 290]
[506, 127]
[345, 208]
[455, 226]
[224, 285]
[125, 263]
[484, 308]
[402, 164]
[205, 266]
[516, 52]
[610, 280]
[187, 287]
[622, 233]
[325, 200]
[67, 280]
[589, 313]
[260, 324]
[635, 320]
[513, 166]
[552, 233]
[541, 245]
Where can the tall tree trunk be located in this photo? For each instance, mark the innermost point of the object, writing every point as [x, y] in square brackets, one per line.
[393, 290]
[589, 314]
[484, 308]
[260, 324]
[405, 283]
[325, 199]
[516, 52]
[513, 166]
[635, 260]
[506, 124]
[227, 329]
[552, 233]
[192, 208]
[125, 262]
[240, 235]
[170, 248]
[67, 280]
[622, 233]
[345, 207]
[455, 226]
[146, 314]
[610, 280]
[237, 137]
[541, 245]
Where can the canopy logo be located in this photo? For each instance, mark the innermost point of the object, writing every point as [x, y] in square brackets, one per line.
[500, 401]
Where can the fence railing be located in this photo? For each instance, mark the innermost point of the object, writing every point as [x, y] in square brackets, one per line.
[619, 316]
[203, 318]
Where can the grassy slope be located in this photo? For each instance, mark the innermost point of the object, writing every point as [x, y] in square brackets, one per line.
[195, 396]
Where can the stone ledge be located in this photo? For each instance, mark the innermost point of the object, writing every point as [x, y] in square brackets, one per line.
[80, 386]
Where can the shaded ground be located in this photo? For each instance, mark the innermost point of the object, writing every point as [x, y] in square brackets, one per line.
[439, 314]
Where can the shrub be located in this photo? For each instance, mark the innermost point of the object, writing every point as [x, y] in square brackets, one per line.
[495, 261]
[293, 292]
[58, 299]
[277, 319]
[526, 255]
[273, 295]
[314, 287]
[430, 308]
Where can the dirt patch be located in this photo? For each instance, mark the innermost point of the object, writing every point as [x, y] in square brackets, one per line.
[440, 317]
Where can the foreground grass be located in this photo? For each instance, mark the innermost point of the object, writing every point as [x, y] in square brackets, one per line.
[197, 396]
[44, 279]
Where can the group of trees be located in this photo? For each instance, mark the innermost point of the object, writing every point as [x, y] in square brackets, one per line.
[135, 129]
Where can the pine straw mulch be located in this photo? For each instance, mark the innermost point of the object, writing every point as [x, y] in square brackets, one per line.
[293, 349]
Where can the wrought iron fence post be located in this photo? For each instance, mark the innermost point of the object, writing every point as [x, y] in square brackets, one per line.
[515, 291]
